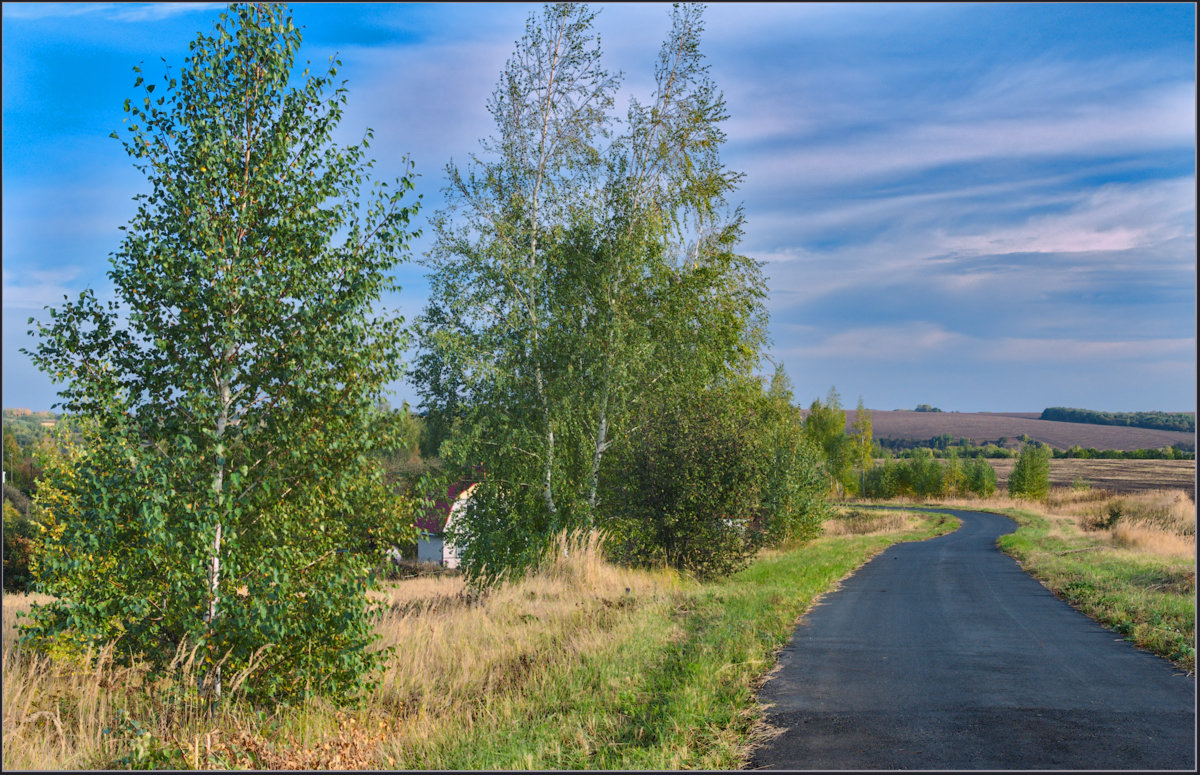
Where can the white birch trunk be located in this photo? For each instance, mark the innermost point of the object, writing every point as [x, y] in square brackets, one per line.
[214, 578]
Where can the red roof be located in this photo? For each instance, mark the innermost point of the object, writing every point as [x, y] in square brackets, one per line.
[434, 520]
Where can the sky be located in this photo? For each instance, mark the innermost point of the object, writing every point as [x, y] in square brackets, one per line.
[982, 207]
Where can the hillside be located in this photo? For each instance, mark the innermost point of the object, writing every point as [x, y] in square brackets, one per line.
[982, 427]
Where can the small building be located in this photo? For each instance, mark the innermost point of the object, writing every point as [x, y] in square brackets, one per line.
[432, 543]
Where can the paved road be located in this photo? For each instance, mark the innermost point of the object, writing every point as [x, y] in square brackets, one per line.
[944, 654]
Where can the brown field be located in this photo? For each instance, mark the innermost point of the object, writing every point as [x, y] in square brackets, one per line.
[1121, 476]
[982, 427]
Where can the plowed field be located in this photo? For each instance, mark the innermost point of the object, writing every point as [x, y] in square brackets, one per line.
[1114, 475]
[982, 427]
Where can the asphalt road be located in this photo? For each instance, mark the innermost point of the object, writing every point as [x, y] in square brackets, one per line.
[944, 654]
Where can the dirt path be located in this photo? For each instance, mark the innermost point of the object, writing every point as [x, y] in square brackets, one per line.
[944, 654]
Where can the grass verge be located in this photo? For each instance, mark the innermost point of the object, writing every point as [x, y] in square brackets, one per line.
[584, 665]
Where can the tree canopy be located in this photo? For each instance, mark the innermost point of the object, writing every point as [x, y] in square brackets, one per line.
[222, 495]
[585, 266]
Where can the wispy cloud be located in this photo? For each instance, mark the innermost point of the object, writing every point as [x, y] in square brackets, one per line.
[1111, 217]
[31, 289]
[914, 341]
[124, 12]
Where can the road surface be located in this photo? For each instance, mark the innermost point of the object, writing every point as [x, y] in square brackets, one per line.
[944, 654]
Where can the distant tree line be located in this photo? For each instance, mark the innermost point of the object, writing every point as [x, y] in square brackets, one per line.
[945, 444]
[919, 474]
[1176, 452]
[1166, 421]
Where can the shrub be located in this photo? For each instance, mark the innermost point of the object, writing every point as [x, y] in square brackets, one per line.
[713, 475]
[882, 481]
[979, 477]
[688, 489]
[19, 535]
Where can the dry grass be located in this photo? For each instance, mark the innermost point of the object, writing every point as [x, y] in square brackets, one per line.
[1154, 522]
[475, 649]
[454, 655]
[851, 521]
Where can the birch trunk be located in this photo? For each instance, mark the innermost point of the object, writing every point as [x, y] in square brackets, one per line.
[214, 579]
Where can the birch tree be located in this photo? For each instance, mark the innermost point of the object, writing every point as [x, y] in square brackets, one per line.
[864, 444]
[226, 486]
[582, 264]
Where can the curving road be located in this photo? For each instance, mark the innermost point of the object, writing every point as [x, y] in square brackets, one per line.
[944, 654]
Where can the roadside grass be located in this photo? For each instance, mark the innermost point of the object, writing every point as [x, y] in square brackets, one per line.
[1142, 594]
[583, 666]
[852, 521]
[1127, 561]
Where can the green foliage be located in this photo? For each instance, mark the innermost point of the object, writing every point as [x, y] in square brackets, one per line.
[20, 535]
[1176, 452]
[979, 477]
[222, 492]
[22, 440]
[689, 491]
[792, 494]
[1031, 476]
[713, 476]
[926, 408]
[920, 474]
[1167, 421]
[946, 446]
[825, 427]
[864, 443]
[583, 275]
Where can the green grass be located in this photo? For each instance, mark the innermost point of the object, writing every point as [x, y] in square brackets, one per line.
[672, 687]
[1148, 599]
[584, 665]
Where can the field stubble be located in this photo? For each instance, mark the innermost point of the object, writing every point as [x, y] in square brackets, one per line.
[1119, 476]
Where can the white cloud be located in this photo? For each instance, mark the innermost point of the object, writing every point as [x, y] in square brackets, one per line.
[914, 341]
[32, 289]
[124, 12]
[1113, 217]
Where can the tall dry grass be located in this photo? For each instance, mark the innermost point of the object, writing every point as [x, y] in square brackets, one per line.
[1159, 523]
[848, 521]
[455, 655]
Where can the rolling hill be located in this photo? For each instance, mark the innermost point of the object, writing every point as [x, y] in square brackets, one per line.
[982, 427]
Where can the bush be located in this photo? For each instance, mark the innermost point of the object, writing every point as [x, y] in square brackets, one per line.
[712, 476]
[19, 535]
[979, 477]
[881, 481]
[688, 491]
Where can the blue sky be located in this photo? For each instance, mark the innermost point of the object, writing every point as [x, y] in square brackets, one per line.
[981, 207]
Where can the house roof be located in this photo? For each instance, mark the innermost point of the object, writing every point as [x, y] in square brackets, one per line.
[434, 520]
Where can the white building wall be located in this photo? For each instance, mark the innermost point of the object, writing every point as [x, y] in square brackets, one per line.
[429, 549]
